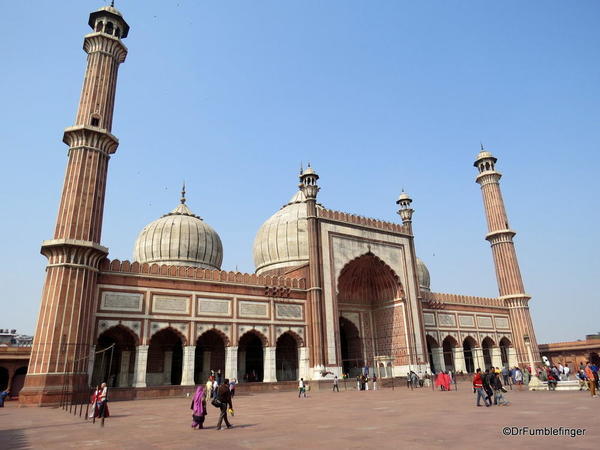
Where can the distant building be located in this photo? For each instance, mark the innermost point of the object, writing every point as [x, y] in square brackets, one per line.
[10, 337]
[573, 353]
[15, 350]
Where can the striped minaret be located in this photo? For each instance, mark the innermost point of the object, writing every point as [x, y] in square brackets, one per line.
[500, 237]
[64, 333]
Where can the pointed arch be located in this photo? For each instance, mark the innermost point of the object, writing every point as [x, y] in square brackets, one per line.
[368, 277]
[181, 336]
[264, 340]
[296, 336]
[226, 340]
[125, 329]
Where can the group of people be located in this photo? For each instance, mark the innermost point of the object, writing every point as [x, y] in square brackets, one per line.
[487, 385]
[588, 378]
[215, 380]
[98, 401]
[220, 392]
[444, 380]
[362, 382]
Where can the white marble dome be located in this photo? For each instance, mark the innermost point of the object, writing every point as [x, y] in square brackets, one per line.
[282, 241]
[423, 276]
[179, 238]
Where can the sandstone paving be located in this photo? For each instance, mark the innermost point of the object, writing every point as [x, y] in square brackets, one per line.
[399, 418]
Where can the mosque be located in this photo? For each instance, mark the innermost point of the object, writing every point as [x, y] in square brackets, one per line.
[333, 292]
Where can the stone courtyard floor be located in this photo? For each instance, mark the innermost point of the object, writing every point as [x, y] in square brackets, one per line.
[388, 418]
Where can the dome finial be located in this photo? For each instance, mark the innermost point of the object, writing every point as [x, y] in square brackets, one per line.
[183, 194]
[112, 3]
[482, 148]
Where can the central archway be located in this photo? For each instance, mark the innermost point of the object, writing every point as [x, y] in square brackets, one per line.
[369, 289]
[250, 357]
[486, 348]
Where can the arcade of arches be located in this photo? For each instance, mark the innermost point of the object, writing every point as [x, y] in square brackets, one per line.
[167, 360]
[468, 355]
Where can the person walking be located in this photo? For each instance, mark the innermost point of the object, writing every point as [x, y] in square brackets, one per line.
[478, 388]
[374, 382]
[591, 378]
[335, 384]
[498, 391]
[102, 402]
[232, 384]
[223, 399]
[487, 384]
[209, 389]
[301, 388]
[199, 408]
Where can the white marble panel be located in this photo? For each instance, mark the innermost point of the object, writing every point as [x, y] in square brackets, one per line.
[253, 309]
[121, 301]
[466, 321]
[288, 311]
[214, 307]
[446, 320]
[501, 322]
[429, 319]
[484, 322]
[170, 305]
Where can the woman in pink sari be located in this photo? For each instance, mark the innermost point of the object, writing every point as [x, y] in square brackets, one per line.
[199, 408]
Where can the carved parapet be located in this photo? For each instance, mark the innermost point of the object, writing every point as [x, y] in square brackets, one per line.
[88, 137]
[73, 253]
[436, 298]
[106, 44]
[339, 216]
[198, 273]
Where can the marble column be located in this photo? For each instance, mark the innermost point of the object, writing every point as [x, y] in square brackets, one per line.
[141, 363]
[91, 361]
[303, 362]
[189, 365]
[167, 367]
[512, 357]
[241, 364]
[231, 362]
[206, 358]
[459, 360]
[269, 374]
[437, 354]
[123, 379]
[478, 360]
[496, 356]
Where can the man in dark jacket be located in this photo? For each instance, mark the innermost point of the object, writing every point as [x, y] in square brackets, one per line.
[224, 397]
[487, 384]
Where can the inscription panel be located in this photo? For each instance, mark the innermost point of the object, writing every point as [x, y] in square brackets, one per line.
[214, 307]
[446, 320]
[286, 311]
[429, 319]
[253, 309]
[170, 305]
[501, 322]
[121, 301]
[484, 322]
[466, 321]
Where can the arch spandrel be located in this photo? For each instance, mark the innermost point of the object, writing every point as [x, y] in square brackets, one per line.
[156, 328]
[127, 326]
[252, 330]
[280, 331]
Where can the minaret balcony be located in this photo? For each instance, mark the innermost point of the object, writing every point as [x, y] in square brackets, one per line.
[90, 137]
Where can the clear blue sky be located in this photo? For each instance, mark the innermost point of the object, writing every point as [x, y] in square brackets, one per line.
[378, 95]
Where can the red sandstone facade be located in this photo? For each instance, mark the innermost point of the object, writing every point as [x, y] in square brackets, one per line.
[333, 292]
